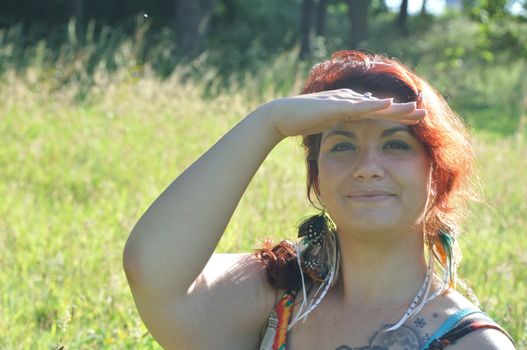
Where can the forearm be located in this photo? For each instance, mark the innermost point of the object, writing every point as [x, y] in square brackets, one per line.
[176, 236]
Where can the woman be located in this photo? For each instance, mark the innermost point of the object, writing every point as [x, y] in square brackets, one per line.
[388, 164]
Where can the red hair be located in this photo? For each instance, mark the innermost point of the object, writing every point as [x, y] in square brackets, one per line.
[442, 132]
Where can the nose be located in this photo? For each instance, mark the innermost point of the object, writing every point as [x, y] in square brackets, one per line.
[368, 165]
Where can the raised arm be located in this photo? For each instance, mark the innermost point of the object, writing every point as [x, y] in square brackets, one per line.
[175, 238]
[179, 232]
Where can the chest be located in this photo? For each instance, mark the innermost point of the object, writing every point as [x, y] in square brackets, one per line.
[346, 331]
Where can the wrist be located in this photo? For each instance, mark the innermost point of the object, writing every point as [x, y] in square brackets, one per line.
[266, 116]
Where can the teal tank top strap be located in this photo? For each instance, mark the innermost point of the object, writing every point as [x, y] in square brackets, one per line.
[451, 322]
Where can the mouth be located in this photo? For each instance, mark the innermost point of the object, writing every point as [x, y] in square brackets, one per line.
[370, 196]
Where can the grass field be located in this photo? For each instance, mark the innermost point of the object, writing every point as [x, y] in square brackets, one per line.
[75, 177]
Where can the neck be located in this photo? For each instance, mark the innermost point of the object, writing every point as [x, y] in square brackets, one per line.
[381, 271]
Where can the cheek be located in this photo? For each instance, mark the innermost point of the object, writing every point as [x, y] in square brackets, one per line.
[332, 175]
[329, 173]
[327, 177]
[421, 180]
[323, 183]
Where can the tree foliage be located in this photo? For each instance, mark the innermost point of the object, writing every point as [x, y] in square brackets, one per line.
[239, 35]
[502, 33]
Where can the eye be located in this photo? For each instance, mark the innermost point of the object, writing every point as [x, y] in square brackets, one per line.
[396, 145]
[341, 147]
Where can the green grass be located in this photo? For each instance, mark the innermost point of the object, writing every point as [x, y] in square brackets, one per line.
[76, 177]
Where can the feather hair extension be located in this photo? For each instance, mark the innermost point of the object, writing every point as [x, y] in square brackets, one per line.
[447, 243]
[318, 258]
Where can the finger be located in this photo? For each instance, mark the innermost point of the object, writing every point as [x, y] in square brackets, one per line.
[370, 106]
[413, 116]
[367, 96]
[416, 114]
[355, 94]
[407, 121]
[400, 111]
[401, 108]
[420, 113]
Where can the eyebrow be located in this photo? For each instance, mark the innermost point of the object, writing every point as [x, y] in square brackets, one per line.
[351, 135]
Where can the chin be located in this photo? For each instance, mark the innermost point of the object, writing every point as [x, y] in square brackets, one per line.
[370, 225]
[372, 230]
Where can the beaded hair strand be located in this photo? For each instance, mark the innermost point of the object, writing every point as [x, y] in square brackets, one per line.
[318, 260]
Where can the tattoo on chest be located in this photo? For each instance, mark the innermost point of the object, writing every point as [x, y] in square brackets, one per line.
[407, 337]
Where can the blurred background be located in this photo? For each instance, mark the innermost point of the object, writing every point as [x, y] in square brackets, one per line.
[222, 42]
[104, 103]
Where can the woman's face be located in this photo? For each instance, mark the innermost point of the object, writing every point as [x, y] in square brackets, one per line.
[374, 176]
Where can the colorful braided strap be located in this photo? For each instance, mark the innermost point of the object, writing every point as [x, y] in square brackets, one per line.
[275, 336]
[462, 329]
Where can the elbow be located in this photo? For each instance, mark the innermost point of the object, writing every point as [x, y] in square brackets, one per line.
[130, 261]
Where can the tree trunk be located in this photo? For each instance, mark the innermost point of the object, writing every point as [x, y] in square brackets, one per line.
[358, 15]
[78, 14]
[192, 19]
[231, 11]
[321, 18]
[305, 28]
[423, 8]
[403, 15]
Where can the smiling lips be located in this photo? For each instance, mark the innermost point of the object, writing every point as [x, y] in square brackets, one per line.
[370, 195]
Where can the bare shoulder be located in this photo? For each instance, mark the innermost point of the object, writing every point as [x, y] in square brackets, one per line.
[226, 268]
[453, 301]
[230, 299]
[482, 339]
[229, 281]
[233, 277]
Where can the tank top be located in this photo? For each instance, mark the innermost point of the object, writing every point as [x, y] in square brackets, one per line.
[452, 329]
